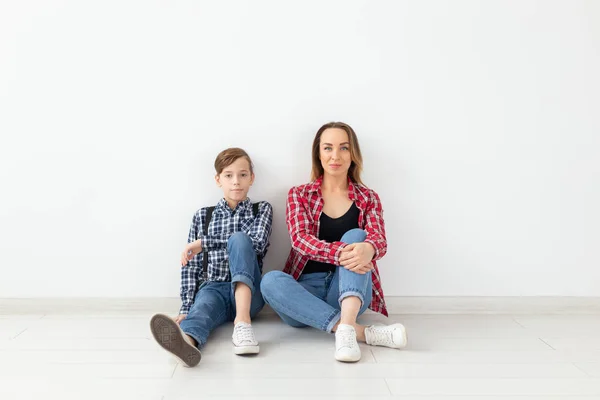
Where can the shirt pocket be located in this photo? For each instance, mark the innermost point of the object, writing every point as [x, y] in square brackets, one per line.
[246, 224]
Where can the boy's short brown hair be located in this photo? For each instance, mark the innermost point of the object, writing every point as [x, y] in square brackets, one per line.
[229, 156]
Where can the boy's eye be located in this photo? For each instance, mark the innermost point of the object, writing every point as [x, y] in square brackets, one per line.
[244, 175]
[227, 175]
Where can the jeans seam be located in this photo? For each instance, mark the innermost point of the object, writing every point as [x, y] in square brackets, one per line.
[351, 289]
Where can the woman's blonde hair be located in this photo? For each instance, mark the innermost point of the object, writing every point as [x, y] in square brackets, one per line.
[357, 162]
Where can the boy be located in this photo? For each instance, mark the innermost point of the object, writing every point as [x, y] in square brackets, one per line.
[221, 266]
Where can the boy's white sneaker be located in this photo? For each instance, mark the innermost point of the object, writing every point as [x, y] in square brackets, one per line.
[243, 339]
[393, 336]
[346, 346]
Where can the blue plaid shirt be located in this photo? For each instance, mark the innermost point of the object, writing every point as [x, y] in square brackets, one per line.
[224, 222]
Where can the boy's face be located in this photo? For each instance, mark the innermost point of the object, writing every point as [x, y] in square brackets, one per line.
[235, 180]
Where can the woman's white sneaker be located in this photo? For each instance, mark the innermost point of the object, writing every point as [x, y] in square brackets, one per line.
[393, 336]
[243, 339]
[346, 346]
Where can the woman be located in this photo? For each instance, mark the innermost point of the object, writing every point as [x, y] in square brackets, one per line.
[337, 232]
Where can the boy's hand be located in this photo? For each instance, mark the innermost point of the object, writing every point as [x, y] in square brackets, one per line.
[179, 318]
[190, 251]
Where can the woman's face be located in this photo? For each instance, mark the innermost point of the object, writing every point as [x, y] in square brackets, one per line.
[334, 152]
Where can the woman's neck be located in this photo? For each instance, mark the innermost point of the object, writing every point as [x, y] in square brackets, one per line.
[334, 183]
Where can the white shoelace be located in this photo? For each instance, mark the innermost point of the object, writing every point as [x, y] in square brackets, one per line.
[244, 333]
[346, 339]
[381, 336]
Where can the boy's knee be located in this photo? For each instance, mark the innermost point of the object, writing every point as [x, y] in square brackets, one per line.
[354, 236]
[239, 239]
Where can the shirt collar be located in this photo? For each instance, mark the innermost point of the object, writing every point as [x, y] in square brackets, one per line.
[315, 186]
[244, 204]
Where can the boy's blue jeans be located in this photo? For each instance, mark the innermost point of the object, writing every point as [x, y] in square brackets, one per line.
[215, 301]
[315, 299]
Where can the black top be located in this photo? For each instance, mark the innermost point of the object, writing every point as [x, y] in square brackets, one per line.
[331, 230]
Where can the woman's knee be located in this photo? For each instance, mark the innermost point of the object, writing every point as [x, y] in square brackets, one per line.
[354, 236]
[271, 281]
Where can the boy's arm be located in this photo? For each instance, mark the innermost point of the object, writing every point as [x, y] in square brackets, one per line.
[260, 231]
[190, 273]
[212, 242]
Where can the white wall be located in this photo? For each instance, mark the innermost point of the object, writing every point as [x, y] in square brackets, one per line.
[479, 123]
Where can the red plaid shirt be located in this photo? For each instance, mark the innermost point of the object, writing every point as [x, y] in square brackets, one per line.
[303, 211]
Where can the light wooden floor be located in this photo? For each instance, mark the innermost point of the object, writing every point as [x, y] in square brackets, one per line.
[112, 356]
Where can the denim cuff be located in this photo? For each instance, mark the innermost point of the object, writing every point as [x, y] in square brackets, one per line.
[244, 278]
[352, 293]
[331, 321]
[199, 342]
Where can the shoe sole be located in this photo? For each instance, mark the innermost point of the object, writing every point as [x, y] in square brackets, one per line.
[170, 337]
[240, 350]
[347, 359]
[405, 337]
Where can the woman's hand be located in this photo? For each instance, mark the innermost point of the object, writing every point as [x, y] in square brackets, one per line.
[356, 257]
[189, 251]
[363, 270]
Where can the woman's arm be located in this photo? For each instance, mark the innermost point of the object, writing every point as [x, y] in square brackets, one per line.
[375, 226]
[303, 241]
